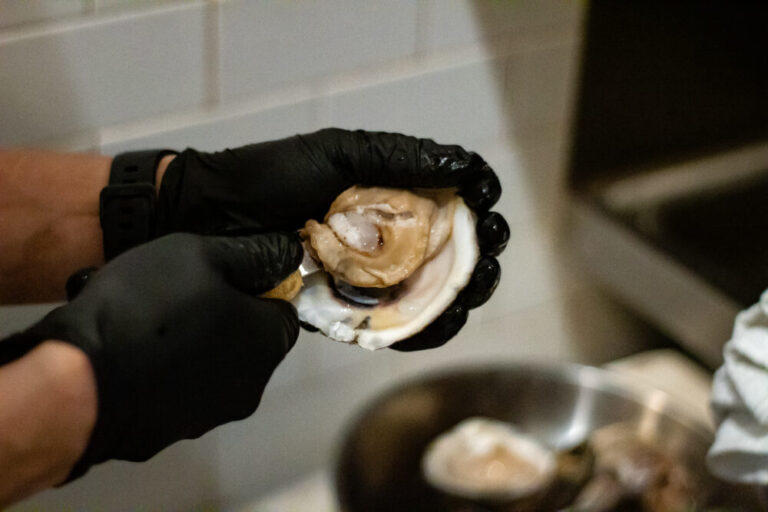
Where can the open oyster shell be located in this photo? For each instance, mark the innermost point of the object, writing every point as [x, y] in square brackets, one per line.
[393, 261]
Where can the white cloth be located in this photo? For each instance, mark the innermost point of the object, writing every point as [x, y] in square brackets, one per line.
[740, 401]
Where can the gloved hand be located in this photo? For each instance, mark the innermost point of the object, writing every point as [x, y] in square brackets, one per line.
[178, 340]
[279, 185]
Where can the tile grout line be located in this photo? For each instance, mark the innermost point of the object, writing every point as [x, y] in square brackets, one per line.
[423, 8]
[211, 53]
[90, 16]
[85, 141]
[324, 87]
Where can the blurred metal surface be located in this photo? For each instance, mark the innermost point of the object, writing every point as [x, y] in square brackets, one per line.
[669, 162]
[684, 244]
[379, 464]
[673, 297]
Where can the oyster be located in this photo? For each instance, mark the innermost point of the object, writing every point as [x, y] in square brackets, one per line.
[393, 260]
[488, 460]
[632, 473]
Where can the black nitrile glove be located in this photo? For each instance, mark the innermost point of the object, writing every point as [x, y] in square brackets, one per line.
[279, 185]
[177, 337]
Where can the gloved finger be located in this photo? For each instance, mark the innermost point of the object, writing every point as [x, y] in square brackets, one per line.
[256, 263]
[393, 159]
[267, 186]
[485, 278]
[482, 284]
[308, 327]
[397, 160]
[77, 281]
[492, 233]
[251, 349]
[436, 334]
[281, 330]
[482, 190]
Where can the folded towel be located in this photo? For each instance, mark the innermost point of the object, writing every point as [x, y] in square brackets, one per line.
[740, 401]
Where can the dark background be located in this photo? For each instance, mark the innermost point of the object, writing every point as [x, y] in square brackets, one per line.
[662, 80]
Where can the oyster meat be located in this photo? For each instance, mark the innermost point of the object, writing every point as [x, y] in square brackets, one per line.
[393, 260]
[377, 237]
[486, 459]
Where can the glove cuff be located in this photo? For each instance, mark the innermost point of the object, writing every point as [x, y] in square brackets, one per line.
[16, 345]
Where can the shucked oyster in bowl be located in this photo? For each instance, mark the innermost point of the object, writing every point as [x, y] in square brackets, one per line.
[485, 464]
[616, 446]
[397, 264]
[482, 459]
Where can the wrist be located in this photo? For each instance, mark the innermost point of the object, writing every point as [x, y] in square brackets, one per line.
[48, 407]
[49, 206]
[161, 168]
[67, 374]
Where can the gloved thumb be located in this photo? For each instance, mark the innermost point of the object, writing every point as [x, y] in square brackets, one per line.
[256, 263]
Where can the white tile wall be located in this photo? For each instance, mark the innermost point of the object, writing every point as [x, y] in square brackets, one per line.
[509, 162]
[456, 105]
[107, 5]
[531, 274]
[76, 77]
[209, 133]
[128, 75]
[266, 44]
[298, 427]
[16, 12]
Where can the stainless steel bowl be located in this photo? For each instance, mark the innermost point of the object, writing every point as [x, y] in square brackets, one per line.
[379, 464]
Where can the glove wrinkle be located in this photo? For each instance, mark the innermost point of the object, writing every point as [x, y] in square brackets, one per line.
[258, 263]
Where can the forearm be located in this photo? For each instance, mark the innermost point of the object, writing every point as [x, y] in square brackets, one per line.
[49, 220]
[48, 407]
